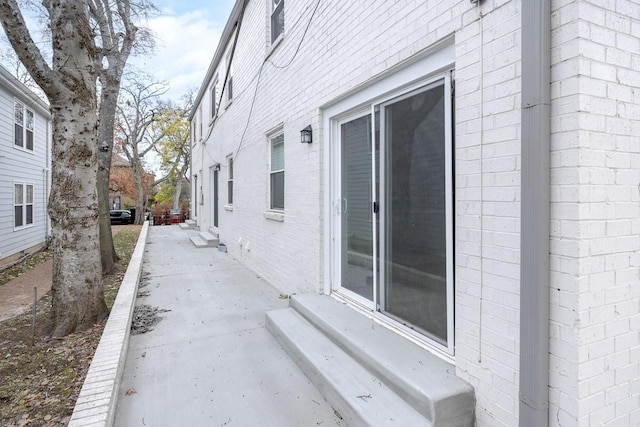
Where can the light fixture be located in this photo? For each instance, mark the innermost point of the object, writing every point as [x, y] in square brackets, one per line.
[305, 135]
[216, 167]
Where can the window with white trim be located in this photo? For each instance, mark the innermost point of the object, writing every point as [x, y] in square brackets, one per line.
[277, 19]
[230, 180]
[22, 205]
[23, 128]
[213, 93]
[229, 88]
[276, 174]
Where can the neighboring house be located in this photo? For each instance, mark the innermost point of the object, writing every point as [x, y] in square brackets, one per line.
[458, 181]
[25, 161]
[122, 188]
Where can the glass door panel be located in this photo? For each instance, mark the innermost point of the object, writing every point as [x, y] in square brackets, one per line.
[414, 250]
[356, 207]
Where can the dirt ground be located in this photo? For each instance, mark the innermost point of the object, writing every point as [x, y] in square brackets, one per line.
[41, 377]
[17, 296]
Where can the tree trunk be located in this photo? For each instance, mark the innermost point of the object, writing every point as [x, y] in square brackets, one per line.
[77, 292]
[140, 193]
[78, 299]
[177, 193]
[108, 102]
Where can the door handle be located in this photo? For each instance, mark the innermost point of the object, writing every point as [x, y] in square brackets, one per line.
[345, 205]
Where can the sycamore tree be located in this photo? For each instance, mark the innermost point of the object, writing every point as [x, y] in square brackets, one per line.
[138, 109]
[69, 82]
[117, 36]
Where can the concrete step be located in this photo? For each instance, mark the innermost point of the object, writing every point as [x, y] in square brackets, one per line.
[213, 232]
[198, 242]
[426, 382]
[188, 225]
[360, 397]
[210, 239]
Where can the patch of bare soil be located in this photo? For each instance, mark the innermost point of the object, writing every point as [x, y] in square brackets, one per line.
[42, 377]
[11, 272]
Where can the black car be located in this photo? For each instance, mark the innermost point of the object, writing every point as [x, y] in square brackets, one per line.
[121, 217]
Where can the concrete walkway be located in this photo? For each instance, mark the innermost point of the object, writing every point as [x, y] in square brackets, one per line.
[16, 296]
[210, 361]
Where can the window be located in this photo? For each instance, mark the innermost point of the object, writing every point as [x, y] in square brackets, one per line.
[214, 94]
[23, 129]
[230, 181]
[22, 205]
[200, 123]
[277, 19]
[277, 172]
[230, 77]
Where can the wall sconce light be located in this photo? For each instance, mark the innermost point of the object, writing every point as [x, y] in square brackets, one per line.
[216, 167]
[305, 135]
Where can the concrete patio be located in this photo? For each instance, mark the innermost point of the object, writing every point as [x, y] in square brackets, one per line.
[210, 360]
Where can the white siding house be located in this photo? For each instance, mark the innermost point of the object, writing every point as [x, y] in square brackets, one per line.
[415, 203]
[24, 169]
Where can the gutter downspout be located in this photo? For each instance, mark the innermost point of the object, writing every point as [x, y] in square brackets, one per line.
[534, 228]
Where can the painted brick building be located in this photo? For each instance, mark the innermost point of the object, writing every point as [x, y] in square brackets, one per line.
[417, 200]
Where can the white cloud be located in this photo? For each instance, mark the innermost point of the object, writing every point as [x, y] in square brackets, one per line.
[185, 45]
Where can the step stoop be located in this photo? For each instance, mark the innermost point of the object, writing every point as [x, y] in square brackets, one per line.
[209, 238]
[188, 225]
[345, 354]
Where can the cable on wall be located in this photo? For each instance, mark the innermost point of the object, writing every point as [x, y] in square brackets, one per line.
[255, 92]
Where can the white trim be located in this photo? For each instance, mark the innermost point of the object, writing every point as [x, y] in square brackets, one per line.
[336, 279]
[24, 204]
[270, 139]
[25, 111]
[213, 100]
[431, 66]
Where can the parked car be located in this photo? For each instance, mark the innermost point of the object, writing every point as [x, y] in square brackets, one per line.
[121, 217]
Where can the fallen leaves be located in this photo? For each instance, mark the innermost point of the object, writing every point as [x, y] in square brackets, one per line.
[130, 391]
[39, 384]
[144, 317]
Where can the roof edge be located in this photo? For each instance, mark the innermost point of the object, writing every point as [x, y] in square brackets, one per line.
[217, 57]
[17, 86]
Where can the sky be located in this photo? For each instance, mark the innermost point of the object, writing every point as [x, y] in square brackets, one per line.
[187, 34]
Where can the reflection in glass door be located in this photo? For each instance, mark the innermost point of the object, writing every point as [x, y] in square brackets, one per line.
[356, 207]
[415, 204]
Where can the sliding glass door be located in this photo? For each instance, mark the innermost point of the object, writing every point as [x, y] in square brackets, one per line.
[356, 240]
[415, 207]
[395, 206]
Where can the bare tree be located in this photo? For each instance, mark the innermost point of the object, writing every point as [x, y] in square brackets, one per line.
[138, 110]
[117, 38]
[70, 85]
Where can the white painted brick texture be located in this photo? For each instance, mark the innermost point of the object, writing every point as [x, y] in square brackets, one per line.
[594, 245]
[595, 211]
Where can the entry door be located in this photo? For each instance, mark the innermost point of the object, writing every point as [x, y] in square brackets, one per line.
[357, 256]
[214, 196]
[396, 210]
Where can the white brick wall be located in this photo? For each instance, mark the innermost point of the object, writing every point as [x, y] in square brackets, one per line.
[595, 210]
[595, 173]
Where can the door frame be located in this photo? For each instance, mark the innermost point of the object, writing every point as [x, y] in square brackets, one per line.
[214, 214]
[429, 67]
[336, 225]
